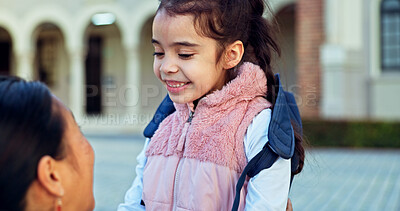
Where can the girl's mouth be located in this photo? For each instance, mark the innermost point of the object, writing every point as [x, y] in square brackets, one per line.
[176, 86]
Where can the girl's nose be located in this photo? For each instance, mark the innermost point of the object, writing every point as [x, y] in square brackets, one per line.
[169, 66]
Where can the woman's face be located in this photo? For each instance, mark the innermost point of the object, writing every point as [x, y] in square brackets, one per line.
[77, 166]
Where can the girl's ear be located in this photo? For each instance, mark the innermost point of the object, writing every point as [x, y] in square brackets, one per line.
[49, 176]
[233, 54]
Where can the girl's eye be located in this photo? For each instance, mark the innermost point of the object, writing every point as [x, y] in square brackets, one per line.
[158, 54]
[185, 56]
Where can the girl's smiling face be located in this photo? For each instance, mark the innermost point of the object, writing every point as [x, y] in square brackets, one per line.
[185, 62]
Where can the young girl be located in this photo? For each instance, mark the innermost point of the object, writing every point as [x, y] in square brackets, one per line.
[214, 58]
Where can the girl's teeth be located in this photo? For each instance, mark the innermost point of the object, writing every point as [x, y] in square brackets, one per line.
[176, 85]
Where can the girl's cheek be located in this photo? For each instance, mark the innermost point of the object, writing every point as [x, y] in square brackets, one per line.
[157, 72]
[156, 68]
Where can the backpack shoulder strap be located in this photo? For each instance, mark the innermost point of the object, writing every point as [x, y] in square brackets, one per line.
[280, 131]
[164, 109]
[263, 159]
[281, 141]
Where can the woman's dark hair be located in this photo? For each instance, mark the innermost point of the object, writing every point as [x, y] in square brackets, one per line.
[30, 128]
[229, 20]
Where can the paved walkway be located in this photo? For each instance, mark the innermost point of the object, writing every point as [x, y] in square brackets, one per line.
[333, 179]
[343, 179]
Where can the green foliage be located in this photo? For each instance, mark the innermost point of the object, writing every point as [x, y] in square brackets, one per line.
[352, 134]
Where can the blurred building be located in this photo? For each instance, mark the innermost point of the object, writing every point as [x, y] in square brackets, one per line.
[341, 58]
[346, 63]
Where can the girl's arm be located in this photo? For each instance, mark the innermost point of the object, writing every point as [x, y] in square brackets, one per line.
[269, 189]
[133, 196]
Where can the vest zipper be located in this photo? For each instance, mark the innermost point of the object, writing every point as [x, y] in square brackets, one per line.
[191, 114]
[178, 170]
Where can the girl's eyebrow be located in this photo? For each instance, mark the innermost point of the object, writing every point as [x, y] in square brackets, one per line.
[184, 43]
[187, 44]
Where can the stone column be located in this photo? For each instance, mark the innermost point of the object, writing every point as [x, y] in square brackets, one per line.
[344, 76]
[131, 90]
[77, 83]
[24, 62]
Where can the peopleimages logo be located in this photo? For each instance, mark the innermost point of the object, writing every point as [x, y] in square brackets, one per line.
[125, 95]
[115, 119]
[309, 92]
[149, 94]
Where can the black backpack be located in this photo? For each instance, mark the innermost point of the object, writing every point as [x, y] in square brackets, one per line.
[281, 141]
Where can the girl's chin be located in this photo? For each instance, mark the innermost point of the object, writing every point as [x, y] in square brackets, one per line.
[181, 98]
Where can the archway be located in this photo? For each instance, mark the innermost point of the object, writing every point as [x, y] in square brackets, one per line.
[6, 61]
[51, 64]
[152, 91]
[105, 66]
[286, 18]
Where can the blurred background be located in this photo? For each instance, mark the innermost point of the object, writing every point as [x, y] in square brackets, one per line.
[341, 59]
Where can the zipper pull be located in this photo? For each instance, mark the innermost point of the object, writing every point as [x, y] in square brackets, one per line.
[191, 114]
[182, 139]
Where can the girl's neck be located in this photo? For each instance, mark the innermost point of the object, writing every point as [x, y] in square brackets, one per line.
[193, 105]
[230, 75]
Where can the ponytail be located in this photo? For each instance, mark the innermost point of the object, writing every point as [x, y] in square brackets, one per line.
[262, 46]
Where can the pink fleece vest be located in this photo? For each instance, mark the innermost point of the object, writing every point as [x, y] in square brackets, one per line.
[195, 166]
